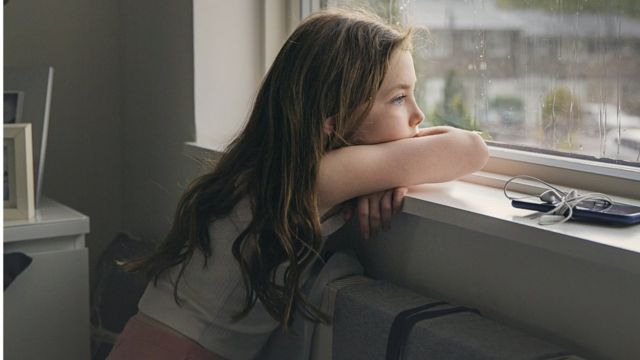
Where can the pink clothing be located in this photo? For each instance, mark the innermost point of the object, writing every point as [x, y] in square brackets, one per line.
[141, 341]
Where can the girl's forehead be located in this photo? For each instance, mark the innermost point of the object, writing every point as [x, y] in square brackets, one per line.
[401, 73]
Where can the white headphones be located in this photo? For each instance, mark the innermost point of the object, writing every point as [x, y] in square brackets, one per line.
[563, 202]
[550, 196]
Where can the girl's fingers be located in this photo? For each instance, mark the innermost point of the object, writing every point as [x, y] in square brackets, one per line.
[374, 214]
[375, 210]
[347, 212]
[386, 211]
[363, 216]
[398, 197]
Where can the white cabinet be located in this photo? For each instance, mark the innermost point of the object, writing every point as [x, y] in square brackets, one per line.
[46, 308]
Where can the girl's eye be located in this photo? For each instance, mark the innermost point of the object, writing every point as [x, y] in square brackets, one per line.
[399, 99]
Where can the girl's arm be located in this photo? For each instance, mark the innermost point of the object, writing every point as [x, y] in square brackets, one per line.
[437, 154]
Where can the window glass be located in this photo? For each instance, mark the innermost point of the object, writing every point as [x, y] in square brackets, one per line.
[552, 76]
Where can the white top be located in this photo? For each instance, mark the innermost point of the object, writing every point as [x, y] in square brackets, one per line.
[212, 295]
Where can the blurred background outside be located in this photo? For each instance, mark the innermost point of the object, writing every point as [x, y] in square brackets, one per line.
[553, 76]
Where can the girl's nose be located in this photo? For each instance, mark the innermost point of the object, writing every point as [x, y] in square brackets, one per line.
[416, 117]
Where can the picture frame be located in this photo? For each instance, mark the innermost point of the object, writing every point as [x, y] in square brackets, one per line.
[36, 84]
[13, 102]
[18, 172]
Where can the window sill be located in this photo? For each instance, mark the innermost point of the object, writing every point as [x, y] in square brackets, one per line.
[485, 209]
[200, 152]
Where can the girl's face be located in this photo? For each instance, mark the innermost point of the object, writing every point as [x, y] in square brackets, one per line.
[395, 114]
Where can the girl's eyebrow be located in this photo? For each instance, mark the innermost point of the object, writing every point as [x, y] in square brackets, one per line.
[401, 86]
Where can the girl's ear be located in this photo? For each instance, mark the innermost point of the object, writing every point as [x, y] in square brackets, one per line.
[329, 125]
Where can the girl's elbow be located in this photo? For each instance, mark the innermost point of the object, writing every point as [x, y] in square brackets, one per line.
[478, 152]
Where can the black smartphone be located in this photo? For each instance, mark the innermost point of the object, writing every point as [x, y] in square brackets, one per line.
[598, 211]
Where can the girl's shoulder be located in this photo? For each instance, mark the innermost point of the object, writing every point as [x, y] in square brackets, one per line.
[240, 216]
[243, 210]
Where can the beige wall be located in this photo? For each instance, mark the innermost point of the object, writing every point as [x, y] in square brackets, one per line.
[80, 39]
[157, 111]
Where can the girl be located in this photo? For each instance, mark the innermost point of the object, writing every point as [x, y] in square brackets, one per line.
[335, 119]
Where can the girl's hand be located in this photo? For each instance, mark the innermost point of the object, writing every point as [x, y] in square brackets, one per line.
[376, 210]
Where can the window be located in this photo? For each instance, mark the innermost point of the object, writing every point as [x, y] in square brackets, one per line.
[548, 77]
[438, 45]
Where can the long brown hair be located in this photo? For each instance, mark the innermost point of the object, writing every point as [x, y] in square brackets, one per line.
[331, 66]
